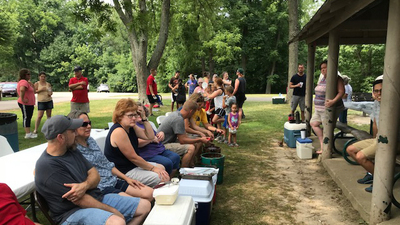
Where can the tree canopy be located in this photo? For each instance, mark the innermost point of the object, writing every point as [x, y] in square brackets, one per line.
[201, 36]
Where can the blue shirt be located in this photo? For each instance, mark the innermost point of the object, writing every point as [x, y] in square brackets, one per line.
[192, 85]
[94, 155]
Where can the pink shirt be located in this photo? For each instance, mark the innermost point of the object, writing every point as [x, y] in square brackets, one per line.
[29, 92]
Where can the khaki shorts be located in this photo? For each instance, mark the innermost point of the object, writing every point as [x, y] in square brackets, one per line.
[320, 116]
[177, 148]
[83, 107]
[367, 147]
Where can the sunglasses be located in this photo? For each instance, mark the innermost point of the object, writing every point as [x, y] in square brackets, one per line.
[85, 124]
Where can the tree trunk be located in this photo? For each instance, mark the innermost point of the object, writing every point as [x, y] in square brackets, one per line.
[138, 39]
[203, 66]
[268, 88]
[211, 63]
[293, 46]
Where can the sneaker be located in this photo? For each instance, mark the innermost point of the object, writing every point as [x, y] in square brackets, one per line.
[369, 189]
[231, 145]
[235, 144]
[33, 135]
[221, 140]
[368, 179]
[226, 141]
[28, 135]
[218, 138]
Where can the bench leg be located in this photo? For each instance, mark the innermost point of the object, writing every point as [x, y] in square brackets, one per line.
[395, 201]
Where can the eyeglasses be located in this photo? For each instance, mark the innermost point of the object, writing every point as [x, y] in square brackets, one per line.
[85, 124]
[130, 116]
[376, 91]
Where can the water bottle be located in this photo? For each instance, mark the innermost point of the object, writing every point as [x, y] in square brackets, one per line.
[297, 117]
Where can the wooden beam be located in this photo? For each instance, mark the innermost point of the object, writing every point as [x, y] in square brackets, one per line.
[388, 127]
[351, 9]
[309, 85]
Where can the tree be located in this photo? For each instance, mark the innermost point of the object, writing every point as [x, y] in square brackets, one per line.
[293, 46]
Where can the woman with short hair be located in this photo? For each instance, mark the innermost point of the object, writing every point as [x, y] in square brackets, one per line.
[26, 100]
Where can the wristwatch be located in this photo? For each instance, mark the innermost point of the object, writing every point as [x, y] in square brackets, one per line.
[144, 120]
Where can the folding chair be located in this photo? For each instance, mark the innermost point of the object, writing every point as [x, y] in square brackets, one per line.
[41, 202]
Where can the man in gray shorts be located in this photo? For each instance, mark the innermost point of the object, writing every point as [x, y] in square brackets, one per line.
[176, 138]
[298, 83]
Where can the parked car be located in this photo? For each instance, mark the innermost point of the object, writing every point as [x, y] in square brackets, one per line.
[9, 88]
[103, 88]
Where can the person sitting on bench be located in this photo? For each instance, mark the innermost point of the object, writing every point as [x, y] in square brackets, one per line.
[364, 151]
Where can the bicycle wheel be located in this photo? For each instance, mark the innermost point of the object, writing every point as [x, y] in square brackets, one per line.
[396, 187]
[346, 155]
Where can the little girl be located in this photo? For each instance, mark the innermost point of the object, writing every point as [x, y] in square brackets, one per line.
[233, 120]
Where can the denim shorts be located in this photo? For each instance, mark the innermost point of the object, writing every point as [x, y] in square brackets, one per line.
[45, 105]
[125, 205]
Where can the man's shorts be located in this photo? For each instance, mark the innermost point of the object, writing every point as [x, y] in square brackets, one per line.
[178, 148]
[173, 97]
[298, 100]
[125, 205]
[83, 107]
[367, 147]
[120, 186]
[151, 99]
[45, 105]
[240, 100]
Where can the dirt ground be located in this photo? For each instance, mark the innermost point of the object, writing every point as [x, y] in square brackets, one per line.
[318, 199]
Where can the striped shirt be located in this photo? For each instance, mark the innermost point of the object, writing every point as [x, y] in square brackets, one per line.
[320, 91]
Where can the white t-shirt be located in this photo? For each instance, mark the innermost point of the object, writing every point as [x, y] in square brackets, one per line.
[349, 91]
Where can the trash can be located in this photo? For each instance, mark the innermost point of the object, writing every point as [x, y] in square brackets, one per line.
[215, 159]
[9, 129]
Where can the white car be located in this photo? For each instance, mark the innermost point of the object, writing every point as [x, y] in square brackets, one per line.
[103, 88]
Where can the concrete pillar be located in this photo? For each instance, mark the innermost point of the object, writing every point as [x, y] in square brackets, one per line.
[310, 85]
[388, 127]
[331, 92]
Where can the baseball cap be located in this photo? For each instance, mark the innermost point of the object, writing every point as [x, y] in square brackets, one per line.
[240, 70]
[59, 124]
[77, 68]
[378, 80]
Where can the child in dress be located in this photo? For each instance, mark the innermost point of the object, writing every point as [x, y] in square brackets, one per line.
[233, 120]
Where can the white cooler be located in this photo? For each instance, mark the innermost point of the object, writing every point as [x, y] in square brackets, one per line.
[182, 212]
[304, 148]
[202, 192]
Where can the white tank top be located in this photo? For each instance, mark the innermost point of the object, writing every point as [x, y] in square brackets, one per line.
[218, 100]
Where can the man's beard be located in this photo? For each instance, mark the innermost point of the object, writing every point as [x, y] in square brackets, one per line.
[72, 147]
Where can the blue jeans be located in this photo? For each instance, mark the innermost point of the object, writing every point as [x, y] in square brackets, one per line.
[125, 205]
[170, 160]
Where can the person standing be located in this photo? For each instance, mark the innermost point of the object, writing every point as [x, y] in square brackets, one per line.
[151, 89]
[298, 84]
[239, 92]
[348, 92]
[26, 100]
[45, 102]
[173, 84]
[79, 87]
[191, 84]
[225, 79]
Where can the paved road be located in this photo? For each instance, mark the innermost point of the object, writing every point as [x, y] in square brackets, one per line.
[66, 96]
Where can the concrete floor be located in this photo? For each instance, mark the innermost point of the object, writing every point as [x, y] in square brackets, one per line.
[346, 175]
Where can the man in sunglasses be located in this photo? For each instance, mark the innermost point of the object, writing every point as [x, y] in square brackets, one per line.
[364, 151]
[68, 182]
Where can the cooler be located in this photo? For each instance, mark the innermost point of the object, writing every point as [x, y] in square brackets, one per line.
[180, 213]
[278, 100]
[304, 148]
[292, 132]
[202, 192]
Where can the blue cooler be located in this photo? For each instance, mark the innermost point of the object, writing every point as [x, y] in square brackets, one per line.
[292, 132]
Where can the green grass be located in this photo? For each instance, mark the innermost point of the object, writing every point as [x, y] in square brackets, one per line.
[249, 193]
[8, 98]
